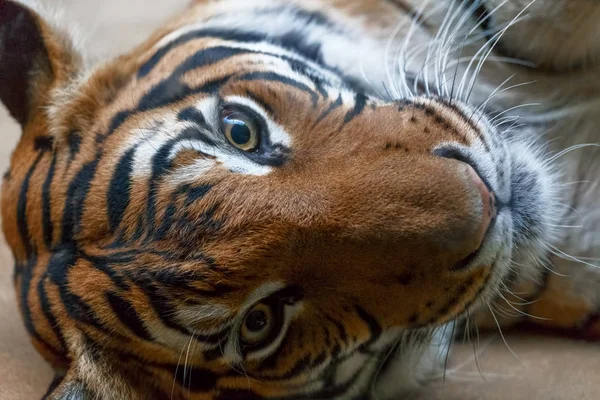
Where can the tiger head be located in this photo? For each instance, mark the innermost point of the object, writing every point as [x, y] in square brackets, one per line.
[219, 198]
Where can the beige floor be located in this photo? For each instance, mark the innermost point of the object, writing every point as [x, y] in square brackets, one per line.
[546, 368]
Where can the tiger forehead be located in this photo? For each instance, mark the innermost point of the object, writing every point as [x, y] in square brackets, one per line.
[195, 69]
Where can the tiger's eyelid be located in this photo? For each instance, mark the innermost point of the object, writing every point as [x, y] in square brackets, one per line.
[259, 119]
[272, 131]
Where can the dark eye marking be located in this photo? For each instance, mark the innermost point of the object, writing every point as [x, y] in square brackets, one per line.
[274, 77]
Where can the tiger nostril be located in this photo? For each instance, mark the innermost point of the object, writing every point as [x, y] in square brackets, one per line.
[459, 155]
[488, 200]
[488, 215]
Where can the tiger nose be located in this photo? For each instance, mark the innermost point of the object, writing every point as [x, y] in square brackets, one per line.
[488, 213]
[483, 196]
[488, 202]
[488, 198]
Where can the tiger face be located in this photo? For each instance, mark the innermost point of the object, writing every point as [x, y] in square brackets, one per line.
[223, 197]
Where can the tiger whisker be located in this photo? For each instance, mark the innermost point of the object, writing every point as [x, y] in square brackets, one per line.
[496, 39]
[447, 356]
[417, 22]
[570, 149]
[176, 371]
[502, 335]
[561, 254]
[512, 305]
[512, 109]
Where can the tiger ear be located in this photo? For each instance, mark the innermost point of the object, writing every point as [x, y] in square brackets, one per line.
[34, 58]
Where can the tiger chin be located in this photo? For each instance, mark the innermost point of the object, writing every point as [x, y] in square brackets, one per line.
[230, 211]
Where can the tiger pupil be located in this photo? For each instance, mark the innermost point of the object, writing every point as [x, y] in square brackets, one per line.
[240, 133]
[256, 321]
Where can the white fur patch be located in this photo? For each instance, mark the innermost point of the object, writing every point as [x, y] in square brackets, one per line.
[150, 140]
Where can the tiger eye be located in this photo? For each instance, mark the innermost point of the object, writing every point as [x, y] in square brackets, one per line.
[258, 324]
[256, 321]
[241, 129]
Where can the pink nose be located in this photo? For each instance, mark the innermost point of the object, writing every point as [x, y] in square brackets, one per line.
[488, 202]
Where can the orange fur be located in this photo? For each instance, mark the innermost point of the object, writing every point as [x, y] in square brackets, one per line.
[359, 214]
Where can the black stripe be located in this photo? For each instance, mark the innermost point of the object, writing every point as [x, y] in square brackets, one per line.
[47, 310]
[74, 140]
[127, 315]
[172, 89]
[191, 114]
[485, 140]
[328, 391]
[375, 329]
[177, 92]
[274, 77]
[75, 200]
[194, 379]
[103, 264]
[359, 106]
[338, 103]
[160, 302]
[191, 228]
[80, 311]
[139, 229]
[22, 222]
[48, 228]
[195, 193]
[179, 281]
[167, 222]
[118, 195]
[59, 264]
[340, 327]
[297, 42]
[234, 35]
[266, 106]
[291, 41]
[118, 120]
[43, 143]
[26, 273]
[301, 366]
[161, 165]
[61, 261]
[58, 379]
[26, 276]
[186, 256]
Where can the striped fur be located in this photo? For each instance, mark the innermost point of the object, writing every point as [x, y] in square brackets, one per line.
[143, 238]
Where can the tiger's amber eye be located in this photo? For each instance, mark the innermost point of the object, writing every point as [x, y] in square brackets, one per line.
[240, 129]
[258, 325]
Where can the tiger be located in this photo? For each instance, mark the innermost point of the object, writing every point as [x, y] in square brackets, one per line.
[299, 199]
